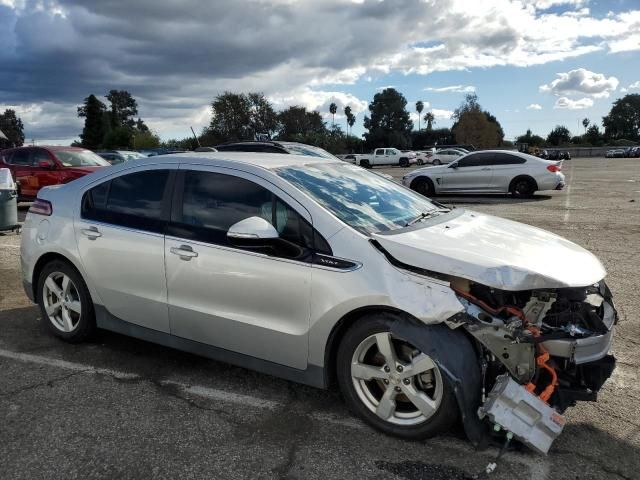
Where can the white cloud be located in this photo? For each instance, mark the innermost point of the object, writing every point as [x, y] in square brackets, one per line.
[452, 89]
[634, 85]
[534, 106]
[567, 103]
[319, 100]
[627, 44]
[581, 82]
[441, 114]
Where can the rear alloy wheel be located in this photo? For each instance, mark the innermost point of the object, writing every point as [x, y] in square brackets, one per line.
[437, 162]
[391, 384]
[420, 162]
[65, 302]
[523, 188]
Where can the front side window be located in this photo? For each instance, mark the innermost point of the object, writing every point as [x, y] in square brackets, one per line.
[82, 158]
[473, 160]
[361, 199]
[136, 200]
[213, 202]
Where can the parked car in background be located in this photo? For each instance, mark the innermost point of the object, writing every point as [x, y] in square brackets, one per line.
[385, 156]
[316, 270]
[615, 153]
[448, 155]
[635, 152]
[294, 148]
[489, 171]
[423, 157]
[36, 167]
[115, 157]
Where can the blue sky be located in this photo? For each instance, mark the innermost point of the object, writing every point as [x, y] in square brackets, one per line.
[533, 63]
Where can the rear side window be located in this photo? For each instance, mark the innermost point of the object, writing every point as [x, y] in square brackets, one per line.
[212, 203]
[137, 200]
[21, 157]
[505, 159]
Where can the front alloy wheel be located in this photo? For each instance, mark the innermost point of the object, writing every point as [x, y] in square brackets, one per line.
[391, 384]
[396, 381]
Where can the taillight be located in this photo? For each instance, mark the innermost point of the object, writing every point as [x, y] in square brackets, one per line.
[554, 168]
[41, 207]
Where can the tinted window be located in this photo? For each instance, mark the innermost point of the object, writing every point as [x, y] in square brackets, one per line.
[21, 157]
[39, 155]
[213, 202]
[473, 160]
[135, 200]
[505, 159]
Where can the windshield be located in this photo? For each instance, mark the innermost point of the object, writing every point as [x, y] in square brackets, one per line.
[361, 199]
[308, 150]
[85, 158]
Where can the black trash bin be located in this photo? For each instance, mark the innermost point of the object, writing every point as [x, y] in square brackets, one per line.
[8, 202]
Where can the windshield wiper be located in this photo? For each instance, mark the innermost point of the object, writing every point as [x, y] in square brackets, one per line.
[425, 215]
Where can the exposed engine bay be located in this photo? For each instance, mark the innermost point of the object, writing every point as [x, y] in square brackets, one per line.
[540, 352]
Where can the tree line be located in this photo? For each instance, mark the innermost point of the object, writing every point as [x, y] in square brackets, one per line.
[246, 116]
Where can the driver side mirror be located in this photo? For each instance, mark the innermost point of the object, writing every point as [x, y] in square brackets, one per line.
[252, 232]
[48, 164]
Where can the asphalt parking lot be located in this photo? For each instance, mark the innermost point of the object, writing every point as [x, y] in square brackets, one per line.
[123, 408]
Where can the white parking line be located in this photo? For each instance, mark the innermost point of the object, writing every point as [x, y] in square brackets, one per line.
[567, 199]
[9, 246]
[538, 466]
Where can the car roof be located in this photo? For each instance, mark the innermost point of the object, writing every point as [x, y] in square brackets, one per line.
[263, 160]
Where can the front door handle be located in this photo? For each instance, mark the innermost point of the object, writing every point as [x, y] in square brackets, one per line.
[185, 252]
[92, 233]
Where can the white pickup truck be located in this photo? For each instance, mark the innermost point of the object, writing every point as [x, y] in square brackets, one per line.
[384, 156]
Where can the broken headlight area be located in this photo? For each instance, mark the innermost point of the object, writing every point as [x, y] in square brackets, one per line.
[541, 351]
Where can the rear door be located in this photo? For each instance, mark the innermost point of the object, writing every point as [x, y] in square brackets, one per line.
[120, 236]
[505, 167]
[251, 301]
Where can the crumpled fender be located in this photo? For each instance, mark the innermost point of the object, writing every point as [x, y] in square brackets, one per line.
[454, 354]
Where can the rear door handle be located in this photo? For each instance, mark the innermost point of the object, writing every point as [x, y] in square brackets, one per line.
[92, 233]
[185, 252]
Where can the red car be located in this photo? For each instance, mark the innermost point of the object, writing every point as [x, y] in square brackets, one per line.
[36, 167]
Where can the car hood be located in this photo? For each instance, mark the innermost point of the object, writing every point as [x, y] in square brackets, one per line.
[492, 251]
[82, 170]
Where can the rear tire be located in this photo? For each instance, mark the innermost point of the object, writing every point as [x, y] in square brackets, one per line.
[423, 186]
[65, 303]
[365, 164]
[388, 405]
[404, 162]
[420, 162]
[522, 187]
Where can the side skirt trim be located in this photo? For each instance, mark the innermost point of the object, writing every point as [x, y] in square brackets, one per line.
[313, 376]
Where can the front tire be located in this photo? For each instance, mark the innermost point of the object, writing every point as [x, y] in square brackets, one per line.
[423, 186]
[437, 162]
[390, 384]
[65, 303]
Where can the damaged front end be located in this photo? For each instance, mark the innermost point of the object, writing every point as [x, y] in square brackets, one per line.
[540, 351]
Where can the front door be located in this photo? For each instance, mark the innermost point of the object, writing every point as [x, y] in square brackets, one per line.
[24, 172]
[120, 236]
[253, 302]
[472, 174]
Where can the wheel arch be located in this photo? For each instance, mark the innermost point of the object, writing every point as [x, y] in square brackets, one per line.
[338, 331]
[420, 178]
[42, 262]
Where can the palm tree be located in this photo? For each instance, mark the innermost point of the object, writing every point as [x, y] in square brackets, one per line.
[419, 108]
[347, 113]
[430, 119]
[351, 120]
[333, 108]
[585, 124]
